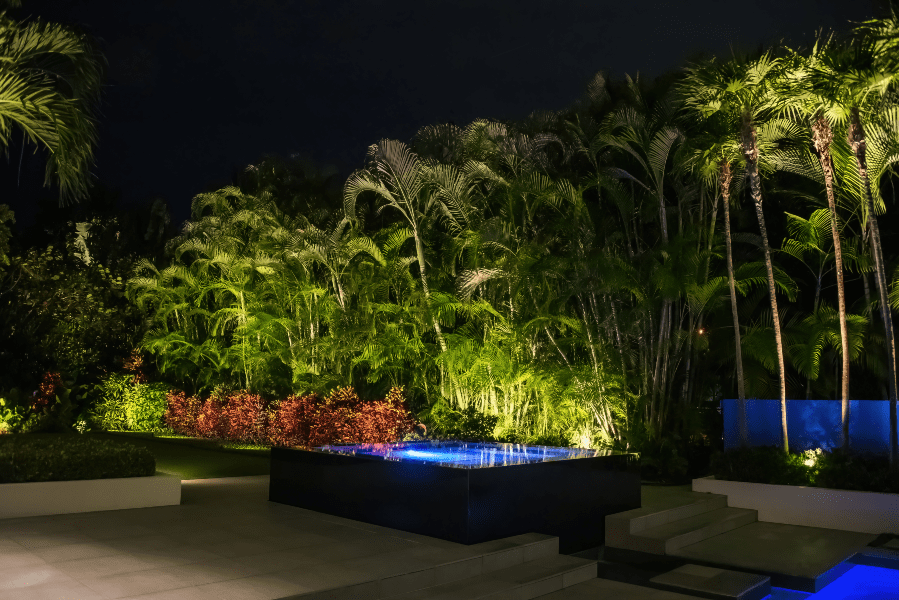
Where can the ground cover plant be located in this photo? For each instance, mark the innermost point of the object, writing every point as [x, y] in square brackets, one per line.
[65, 457]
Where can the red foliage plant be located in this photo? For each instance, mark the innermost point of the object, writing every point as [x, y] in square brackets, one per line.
[301, 421]
[182, 412]
[244, 417]
[212, 422]
[341, 418]
[135, 364]
[292, 421]
[382, 421]
[47, 391]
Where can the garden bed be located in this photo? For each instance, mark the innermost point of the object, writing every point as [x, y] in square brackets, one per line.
[51, 474]
[845, 510]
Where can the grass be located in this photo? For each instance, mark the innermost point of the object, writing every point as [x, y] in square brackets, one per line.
[188, 461]
[223, 444]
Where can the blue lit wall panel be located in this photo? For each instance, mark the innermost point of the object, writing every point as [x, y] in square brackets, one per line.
[811, 424]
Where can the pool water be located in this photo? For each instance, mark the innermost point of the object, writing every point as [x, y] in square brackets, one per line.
[462, 455]
[861, 582]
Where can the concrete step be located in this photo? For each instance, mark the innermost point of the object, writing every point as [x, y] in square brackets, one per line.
[658, 510]
[713, 583]
[671, 536]
[667, 538]
[479, 560]
[794, 556]
[522, 582]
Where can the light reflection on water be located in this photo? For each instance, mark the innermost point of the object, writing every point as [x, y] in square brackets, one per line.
[469, 455]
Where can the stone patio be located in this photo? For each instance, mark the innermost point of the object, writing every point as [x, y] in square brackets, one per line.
[226, 541]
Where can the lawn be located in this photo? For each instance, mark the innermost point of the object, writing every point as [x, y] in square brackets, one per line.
[188, 461]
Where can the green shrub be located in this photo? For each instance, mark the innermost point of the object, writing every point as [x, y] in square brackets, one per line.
[108, 410]
[664, 460]
[834, 470]
[837, 470]
[467, 424]
[47, 409]
[65, 457]
[121, 403]
[556, 439]
[145, 404]
[13, 411]
[767, 464]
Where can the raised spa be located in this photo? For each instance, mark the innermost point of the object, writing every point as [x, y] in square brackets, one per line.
[462, 492]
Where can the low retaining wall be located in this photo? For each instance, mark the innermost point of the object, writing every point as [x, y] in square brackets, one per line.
[864, 512]
[88, 495]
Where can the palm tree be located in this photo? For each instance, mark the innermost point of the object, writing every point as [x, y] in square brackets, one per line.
[740, 91]
[647, 135]
[715, 152]
[807, 99]
[421, 191]
[50, 77]
[853, 77]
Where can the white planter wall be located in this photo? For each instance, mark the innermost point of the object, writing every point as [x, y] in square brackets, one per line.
[865, 512]
[87, 495]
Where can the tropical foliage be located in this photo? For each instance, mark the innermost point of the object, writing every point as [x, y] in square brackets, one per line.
[50, 77]
[600, 275]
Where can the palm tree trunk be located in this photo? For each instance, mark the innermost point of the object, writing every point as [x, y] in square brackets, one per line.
[620, 345]
[857, 142]
[822, 137]
[657, 384]
[688, 353]
[741, 386]
[750, 149]
[420, 253]
[663, 218]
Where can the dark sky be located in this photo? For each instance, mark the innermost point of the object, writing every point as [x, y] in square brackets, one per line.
[197, 88]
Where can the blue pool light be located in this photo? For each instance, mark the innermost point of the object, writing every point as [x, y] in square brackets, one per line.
[861, 582]
[420, 454]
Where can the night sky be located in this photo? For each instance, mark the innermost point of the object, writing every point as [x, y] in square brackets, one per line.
[197, 89]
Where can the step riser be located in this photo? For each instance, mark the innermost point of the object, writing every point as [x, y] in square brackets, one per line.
[638, 543]
[676, 514]
[705, 533]
[622, 524]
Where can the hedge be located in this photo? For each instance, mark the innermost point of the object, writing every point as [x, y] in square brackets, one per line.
[28, 457]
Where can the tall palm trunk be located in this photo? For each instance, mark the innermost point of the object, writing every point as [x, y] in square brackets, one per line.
[856, 139]
[822, 136]
[659, 372]
[751, 151]
[420, 253]
[741, 385]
